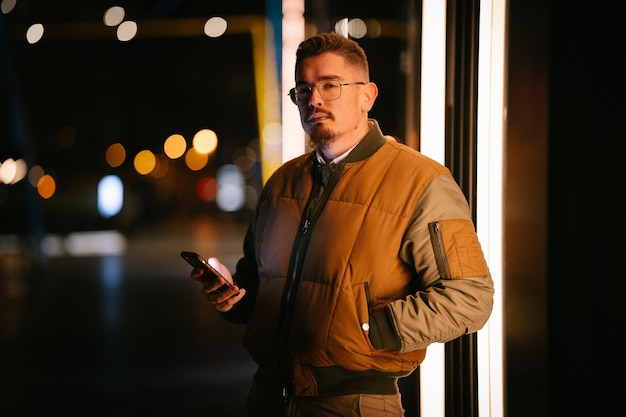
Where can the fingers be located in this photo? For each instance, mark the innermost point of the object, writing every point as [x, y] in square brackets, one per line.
[214, 284]
[228, 303]
[223, 297]
[223, 300]
[196, 274]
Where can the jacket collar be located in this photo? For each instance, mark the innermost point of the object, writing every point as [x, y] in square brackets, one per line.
[372, 141]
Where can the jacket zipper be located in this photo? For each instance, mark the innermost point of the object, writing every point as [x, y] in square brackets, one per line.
[440, 250]
[305, 227]
[293, 276]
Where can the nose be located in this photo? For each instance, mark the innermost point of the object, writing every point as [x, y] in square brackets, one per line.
[316, 98]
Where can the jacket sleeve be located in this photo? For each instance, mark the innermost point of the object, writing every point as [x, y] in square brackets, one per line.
[454, 293]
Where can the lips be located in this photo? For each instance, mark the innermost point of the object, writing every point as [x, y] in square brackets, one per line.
[317, 117]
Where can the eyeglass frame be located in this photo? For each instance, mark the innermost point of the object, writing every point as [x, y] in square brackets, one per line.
[293, 93]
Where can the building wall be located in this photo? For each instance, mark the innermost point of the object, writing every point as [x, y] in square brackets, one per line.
[564, 232]
[525, 212]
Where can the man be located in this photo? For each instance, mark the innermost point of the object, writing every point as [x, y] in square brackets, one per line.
[361, 254]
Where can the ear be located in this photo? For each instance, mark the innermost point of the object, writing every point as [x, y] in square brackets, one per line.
[370, 92]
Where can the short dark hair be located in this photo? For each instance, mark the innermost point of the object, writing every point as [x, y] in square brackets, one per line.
[350, 50]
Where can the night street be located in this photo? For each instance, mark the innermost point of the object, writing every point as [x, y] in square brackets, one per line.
[121, 335]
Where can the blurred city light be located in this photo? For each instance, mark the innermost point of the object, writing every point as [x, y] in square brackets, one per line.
[7, 5]
[46, 186]
[355, 28]
[205, 141]
[95, 243]
[175, 146]
[110, 196]
[206, 189]
[12, 171]
[144, 162]
[115, 155]
[73, 139]
[113, 16]
[35, 174]
[126, 31]
[215, 27]
[195, 160]
[230, 191]
[34, 33]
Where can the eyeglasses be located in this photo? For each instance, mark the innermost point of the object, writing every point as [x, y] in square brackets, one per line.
[329, 90]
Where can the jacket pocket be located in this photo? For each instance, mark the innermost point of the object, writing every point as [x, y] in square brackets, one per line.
[457, 250]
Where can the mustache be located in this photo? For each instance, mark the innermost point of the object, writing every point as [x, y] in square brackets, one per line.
[316, 112]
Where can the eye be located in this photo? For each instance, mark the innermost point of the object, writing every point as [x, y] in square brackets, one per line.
[329, 85]
[303, 90]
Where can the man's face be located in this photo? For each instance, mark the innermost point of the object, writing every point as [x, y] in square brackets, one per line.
[328, 120]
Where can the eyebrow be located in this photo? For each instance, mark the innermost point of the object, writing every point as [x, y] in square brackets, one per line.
[322, 78]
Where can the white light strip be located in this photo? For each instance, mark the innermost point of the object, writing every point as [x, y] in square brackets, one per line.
[433, 83]
[432, 382]
[293, 33]
[490, 132]
[432, 144]
[96, 243]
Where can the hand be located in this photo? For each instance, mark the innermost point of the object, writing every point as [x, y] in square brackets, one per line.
[223, 300]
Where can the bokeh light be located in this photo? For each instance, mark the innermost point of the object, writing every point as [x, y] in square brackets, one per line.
[110, 196]
[194, 160]
[34, 33]
[115, 155]
[215, 27]
[355, 28]
[12, 171]
[231, 195]
[206, 189]
[7, 5]
[175, 146]
[35, 174]
[144, 162]
[46, 186]
[205, 141]
[113, 16]
[126, 31]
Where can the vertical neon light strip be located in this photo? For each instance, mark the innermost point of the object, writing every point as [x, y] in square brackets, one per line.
[491, 122]
[266, 81]
[432, 144]
[293, 33]
[433, 83]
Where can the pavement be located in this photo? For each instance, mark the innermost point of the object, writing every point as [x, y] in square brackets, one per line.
[121, 335]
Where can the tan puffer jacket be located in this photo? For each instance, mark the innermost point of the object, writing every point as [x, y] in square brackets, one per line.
[353, 282]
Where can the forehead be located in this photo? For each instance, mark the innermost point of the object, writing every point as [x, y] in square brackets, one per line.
[323, 66]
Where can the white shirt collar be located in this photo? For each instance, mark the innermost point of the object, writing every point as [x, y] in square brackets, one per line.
[338, 159]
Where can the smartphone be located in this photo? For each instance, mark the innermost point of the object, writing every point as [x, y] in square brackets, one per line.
[198, 261]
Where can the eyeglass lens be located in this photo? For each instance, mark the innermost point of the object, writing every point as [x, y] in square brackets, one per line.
[329, 90]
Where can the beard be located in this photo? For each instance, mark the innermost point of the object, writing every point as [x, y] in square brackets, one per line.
[320, 137]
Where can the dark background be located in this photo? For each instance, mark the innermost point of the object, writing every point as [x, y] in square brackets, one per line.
[564, 216]
[131, 334]
[80, 79]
